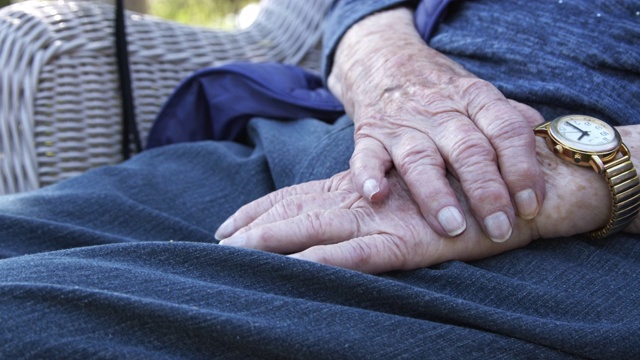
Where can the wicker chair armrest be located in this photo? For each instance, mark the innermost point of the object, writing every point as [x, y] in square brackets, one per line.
[59, 94]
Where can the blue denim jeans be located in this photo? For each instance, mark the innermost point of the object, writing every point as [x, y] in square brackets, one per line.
[121, 262]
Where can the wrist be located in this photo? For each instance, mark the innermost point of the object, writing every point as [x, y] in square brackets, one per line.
[577, 200]
[365, 50]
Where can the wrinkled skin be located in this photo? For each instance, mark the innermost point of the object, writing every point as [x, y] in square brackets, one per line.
[329, 222]
[418, 115]
[421, 113]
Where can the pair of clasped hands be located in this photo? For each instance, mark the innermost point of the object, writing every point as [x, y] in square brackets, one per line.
[444, 167]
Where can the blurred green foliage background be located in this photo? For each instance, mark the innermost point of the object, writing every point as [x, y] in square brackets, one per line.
[207, 13]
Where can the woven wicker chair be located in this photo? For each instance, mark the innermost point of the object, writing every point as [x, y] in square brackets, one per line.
[59, 94]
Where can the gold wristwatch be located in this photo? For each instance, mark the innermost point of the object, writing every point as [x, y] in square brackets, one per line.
[587, 141]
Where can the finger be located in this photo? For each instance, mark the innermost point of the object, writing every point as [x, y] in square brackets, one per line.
[531, 115]
[301, 232]
[423, 170]
[369, 163]
[511, 136]
[293, 206]
[472, 160]
[251, 211]
[371, 254]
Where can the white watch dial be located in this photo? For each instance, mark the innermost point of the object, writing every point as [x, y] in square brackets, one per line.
[586, 133]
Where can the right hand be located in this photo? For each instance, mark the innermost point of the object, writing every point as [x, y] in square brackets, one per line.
[417, 111]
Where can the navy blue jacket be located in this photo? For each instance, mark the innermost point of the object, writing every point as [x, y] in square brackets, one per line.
[216, 103]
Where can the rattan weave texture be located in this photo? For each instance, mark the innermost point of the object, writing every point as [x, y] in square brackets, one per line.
[59, 98]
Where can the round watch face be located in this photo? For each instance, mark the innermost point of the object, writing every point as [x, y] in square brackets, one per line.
[585, 133]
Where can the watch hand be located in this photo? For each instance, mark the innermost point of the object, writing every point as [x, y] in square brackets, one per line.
[575, 127]
[584, 133]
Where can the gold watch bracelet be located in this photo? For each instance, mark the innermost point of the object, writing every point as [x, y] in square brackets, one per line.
[625, 192]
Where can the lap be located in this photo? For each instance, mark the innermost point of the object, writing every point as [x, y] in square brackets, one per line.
[181, 192]
[553, 299]
[122, 263]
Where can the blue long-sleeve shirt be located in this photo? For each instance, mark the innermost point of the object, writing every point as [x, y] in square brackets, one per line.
[345, 13]
[342, 15]
[528, 50]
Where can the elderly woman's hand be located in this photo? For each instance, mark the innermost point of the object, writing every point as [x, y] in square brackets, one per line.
[327, 221]
[421, 113]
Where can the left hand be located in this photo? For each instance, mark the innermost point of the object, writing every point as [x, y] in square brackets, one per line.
[328, 222]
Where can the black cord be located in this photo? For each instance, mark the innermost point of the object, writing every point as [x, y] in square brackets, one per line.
[129, 127]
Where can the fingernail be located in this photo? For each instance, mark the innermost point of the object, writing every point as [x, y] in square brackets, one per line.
[527, 204]
[224, 230]
[452, 221]
[498, 227]
[370, 188]
[235, 240]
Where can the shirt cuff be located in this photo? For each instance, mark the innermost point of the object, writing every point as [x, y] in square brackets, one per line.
[342, 15]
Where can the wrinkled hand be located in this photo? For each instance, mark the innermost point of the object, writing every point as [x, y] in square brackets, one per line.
[421, 113]
[329, 222]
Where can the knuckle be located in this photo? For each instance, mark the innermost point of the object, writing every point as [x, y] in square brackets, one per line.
[408, 162]
[287, 208]
[314, 223]
[427, 101]
[476, 90]
[415, 157]
[367, 125]
[277, 196]
[475, 161]
[414, 167]
[487, 192]
[511, 133]
[440, 105]
[292, 205]
[419, 98]
[471, 150]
